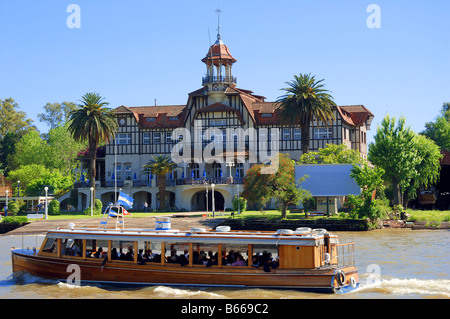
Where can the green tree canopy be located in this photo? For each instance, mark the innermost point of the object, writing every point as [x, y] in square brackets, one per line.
[160, 166]
[332, 154]
[306, 100]
[439, 130]
[408, 160]
[56, 114]
[12, 119]
[281, 186]
[93, 122]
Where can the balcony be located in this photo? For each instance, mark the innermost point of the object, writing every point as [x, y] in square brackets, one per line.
[219, 79]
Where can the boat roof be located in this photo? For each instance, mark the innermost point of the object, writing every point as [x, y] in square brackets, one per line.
[198, 235]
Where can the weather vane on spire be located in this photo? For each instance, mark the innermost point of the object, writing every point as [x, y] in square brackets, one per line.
[218, 11]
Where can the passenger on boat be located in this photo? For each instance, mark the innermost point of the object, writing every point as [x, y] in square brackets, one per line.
[114, 255]
[99, 252]
[326, 257]
[63, 247]
[76, 248]
[239, 261]
[255, 261]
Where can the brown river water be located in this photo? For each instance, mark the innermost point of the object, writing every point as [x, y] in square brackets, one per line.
[393, 264]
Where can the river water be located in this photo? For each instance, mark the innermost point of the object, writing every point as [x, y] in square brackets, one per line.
[393, 264]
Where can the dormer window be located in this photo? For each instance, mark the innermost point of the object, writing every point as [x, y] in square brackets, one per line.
[150, 119]
[266, 114]
[173, 118]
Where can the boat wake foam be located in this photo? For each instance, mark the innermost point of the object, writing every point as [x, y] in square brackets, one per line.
[170, 292]
[404, 287]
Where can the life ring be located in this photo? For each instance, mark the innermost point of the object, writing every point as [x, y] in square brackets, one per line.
[285, 231]
[340, 276]
[353, 282]
[198, 230]
[223, 229]
[302, 230]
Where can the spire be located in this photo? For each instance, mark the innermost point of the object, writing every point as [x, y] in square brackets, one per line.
[219, 38]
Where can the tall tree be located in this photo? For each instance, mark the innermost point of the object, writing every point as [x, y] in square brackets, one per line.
[261, 188]
[160, 166]
[12, 119]
[56, 114]
[439, 130]
[306, 100]
[409, 160]
[94, 122]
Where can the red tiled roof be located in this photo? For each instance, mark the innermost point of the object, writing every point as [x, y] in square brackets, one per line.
[219, 53]
[160, 113]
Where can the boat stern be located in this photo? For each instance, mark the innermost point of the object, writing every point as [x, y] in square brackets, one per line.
[345, 280]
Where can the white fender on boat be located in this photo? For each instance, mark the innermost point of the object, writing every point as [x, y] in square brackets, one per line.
[198, 230]
[302, 230]
[285, 231]
[340, 276]
[223, 229]
[353, 282]
[319, 230]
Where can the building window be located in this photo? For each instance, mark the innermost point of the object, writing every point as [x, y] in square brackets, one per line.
[150, 119]
[240, 170]
[118, 172]
[123, 139]
[146, 138]
[128, 172]
[195, 171]
[169, 138]
[217, 122]
[156, 138]
[173, 118]
[266, 114]
[286, 134]
[297, 134]
[321, 133]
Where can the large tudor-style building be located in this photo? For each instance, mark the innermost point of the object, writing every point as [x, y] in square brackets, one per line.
[217, 106]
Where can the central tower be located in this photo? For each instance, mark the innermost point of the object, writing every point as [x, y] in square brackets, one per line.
[219, 62]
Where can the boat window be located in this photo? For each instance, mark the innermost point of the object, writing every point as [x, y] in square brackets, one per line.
[50, 246]
[265, 256]
[101, 249]
[71, 247]
[205, 254]
[149, 252]
[234, 255]
[177, 253]
[122, 250]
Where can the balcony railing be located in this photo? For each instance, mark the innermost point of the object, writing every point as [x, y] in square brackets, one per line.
[219, 79]
[169, 182]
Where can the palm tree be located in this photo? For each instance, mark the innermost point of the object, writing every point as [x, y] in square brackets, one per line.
[160, 166]
[94, 122]
[306, 100]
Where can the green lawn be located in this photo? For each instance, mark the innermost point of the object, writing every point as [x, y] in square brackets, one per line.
[429, 215]
[419, 215]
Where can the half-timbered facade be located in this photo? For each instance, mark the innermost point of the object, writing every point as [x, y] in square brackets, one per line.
[217, 116]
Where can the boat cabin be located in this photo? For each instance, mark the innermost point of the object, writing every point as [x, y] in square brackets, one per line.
[197, 247]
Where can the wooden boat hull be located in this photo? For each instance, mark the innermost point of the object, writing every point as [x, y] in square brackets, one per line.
[93, 270]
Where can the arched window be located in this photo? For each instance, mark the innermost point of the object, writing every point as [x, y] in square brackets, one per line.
[195, 171]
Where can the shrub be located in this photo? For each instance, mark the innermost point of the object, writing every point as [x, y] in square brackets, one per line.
[97, 208]
[13, 208]
[19, 220]
[53, 208]
[242, 204]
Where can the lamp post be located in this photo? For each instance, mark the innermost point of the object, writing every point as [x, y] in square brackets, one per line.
[18, 188]
[239, 202]
[6, 205]
[46, 202]
[92, 201]
[206, 185]
[213, 201]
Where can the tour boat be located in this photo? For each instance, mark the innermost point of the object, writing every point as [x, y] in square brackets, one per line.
[301, 259]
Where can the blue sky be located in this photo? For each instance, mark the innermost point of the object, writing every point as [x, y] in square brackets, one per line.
[133, 52]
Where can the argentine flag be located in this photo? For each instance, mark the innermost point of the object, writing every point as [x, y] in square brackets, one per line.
[125, 200]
